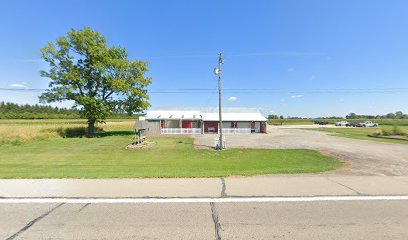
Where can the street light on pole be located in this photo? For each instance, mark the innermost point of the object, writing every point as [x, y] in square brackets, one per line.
[217, 71]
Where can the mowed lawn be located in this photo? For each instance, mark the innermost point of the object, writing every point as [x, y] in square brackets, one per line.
[362, 133]
[106, 157]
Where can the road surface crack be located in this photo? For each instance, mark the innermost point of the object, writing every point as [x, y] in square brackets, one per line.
[216, 221]
[31, 223]
[357, 192]
[224, 188]
[82, 208]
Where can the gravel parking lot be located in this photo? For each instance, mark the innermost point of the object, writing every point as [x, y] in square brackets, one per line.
[363, 157]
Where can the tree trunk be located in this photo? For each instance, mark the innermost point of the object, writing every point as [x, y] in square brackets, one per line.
[91, 128]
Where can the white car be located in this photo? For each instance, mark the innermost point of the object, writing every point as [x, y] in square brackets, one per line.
[369, 124]
[342, 123]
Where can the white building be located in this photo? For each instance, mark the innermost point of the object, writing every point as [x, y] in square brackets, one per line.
[234, 120]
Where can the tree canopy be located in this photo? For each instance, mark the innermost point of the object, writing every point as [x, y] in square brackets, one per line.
[396, 115]
[99, 79]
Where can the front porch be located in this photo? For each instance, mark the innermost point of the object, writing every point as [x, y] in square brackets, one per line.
[234, 127]
[180, 127]
[180, 131]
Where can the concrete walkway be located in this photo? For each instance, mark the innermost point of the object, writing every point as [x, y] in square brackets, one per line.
[262, 186]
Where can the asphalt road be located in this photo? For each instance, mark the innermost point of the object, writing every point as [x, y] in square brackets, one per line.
[269, 220]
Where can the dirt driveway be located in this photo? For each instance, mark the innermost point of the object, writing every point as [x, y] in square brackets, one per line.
[364, 157]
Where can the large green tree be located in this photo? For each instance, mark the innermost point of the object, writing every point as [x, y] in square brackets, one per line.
[99, 79]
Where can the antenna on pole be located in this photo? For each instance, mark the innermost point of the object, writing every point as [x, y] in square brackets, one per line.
[217, 72]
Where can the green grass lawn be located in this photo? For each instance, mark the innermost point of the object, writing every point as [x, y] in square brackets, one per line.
[362, 133]
[106, 157]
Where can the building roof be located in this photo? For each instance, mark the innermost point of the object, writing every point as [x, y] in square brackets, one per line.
[230, 116]
[207, 114]
[173, 114]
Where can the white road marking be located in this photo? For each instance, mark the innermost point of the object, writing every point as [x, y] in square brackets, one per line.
[201, 200]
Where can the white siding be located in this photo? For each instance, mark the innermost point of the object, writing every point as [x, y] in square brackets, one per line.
[244, 125]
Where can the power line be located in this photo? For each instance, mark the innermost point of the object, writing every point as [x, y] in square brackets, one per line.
[252, 90]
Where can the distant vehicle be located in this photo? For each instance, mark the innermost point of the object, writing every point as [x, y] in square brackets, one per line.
[355, 124]
[369, 124]
[342, 123]
[321, 122]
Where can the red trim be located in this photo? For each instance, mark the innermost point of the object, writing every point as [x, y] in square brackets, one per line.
[262, 127]
[186, 124]
[211, 125]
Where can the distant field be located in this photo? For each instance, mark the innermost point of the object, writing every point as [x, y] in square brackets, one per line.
[362, 133]
[386, 122]
[24, 131]
[290, 122]
[52, 121]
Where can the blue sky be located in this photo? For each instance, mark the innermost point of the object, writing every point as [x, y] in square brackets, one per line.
[297, 47]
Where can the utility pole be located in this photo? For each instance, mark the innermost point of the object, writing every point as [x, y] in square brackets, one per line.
[217, 71]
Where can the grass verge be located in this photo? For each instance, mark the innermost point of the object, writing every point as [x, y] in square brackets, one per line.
[107, 157]
[362, 133]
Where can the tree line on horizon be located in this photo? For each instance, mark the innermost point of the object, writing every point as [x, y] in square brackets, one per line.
[10, 110]
[396, 115]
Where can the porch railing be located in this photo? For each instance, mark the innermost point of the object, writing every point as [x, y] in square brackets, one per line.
[180, 131]
[236, 130]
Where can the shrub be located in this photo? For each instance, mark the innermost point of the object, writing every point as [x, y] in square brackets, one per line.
[394, 131]
[72, 132]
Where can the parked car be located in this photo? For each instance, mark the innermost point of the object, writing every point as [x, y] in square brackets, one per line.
[342, 123]
[321, 122]
[369, 124]
[355, 124]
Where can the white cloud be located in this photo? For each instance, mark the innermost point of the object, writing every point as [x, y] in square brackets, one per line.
[296, 96]
[232, 99]
[18, 85]
[291, 69]
[313, 77]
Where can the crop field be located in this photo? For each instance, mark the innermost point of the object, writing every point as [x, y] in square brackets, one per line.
[23, 131]
[363, 133]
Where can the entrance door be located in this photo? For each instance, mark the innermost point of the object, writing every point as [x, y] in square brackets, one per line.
[194, 124]
[257, 127]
